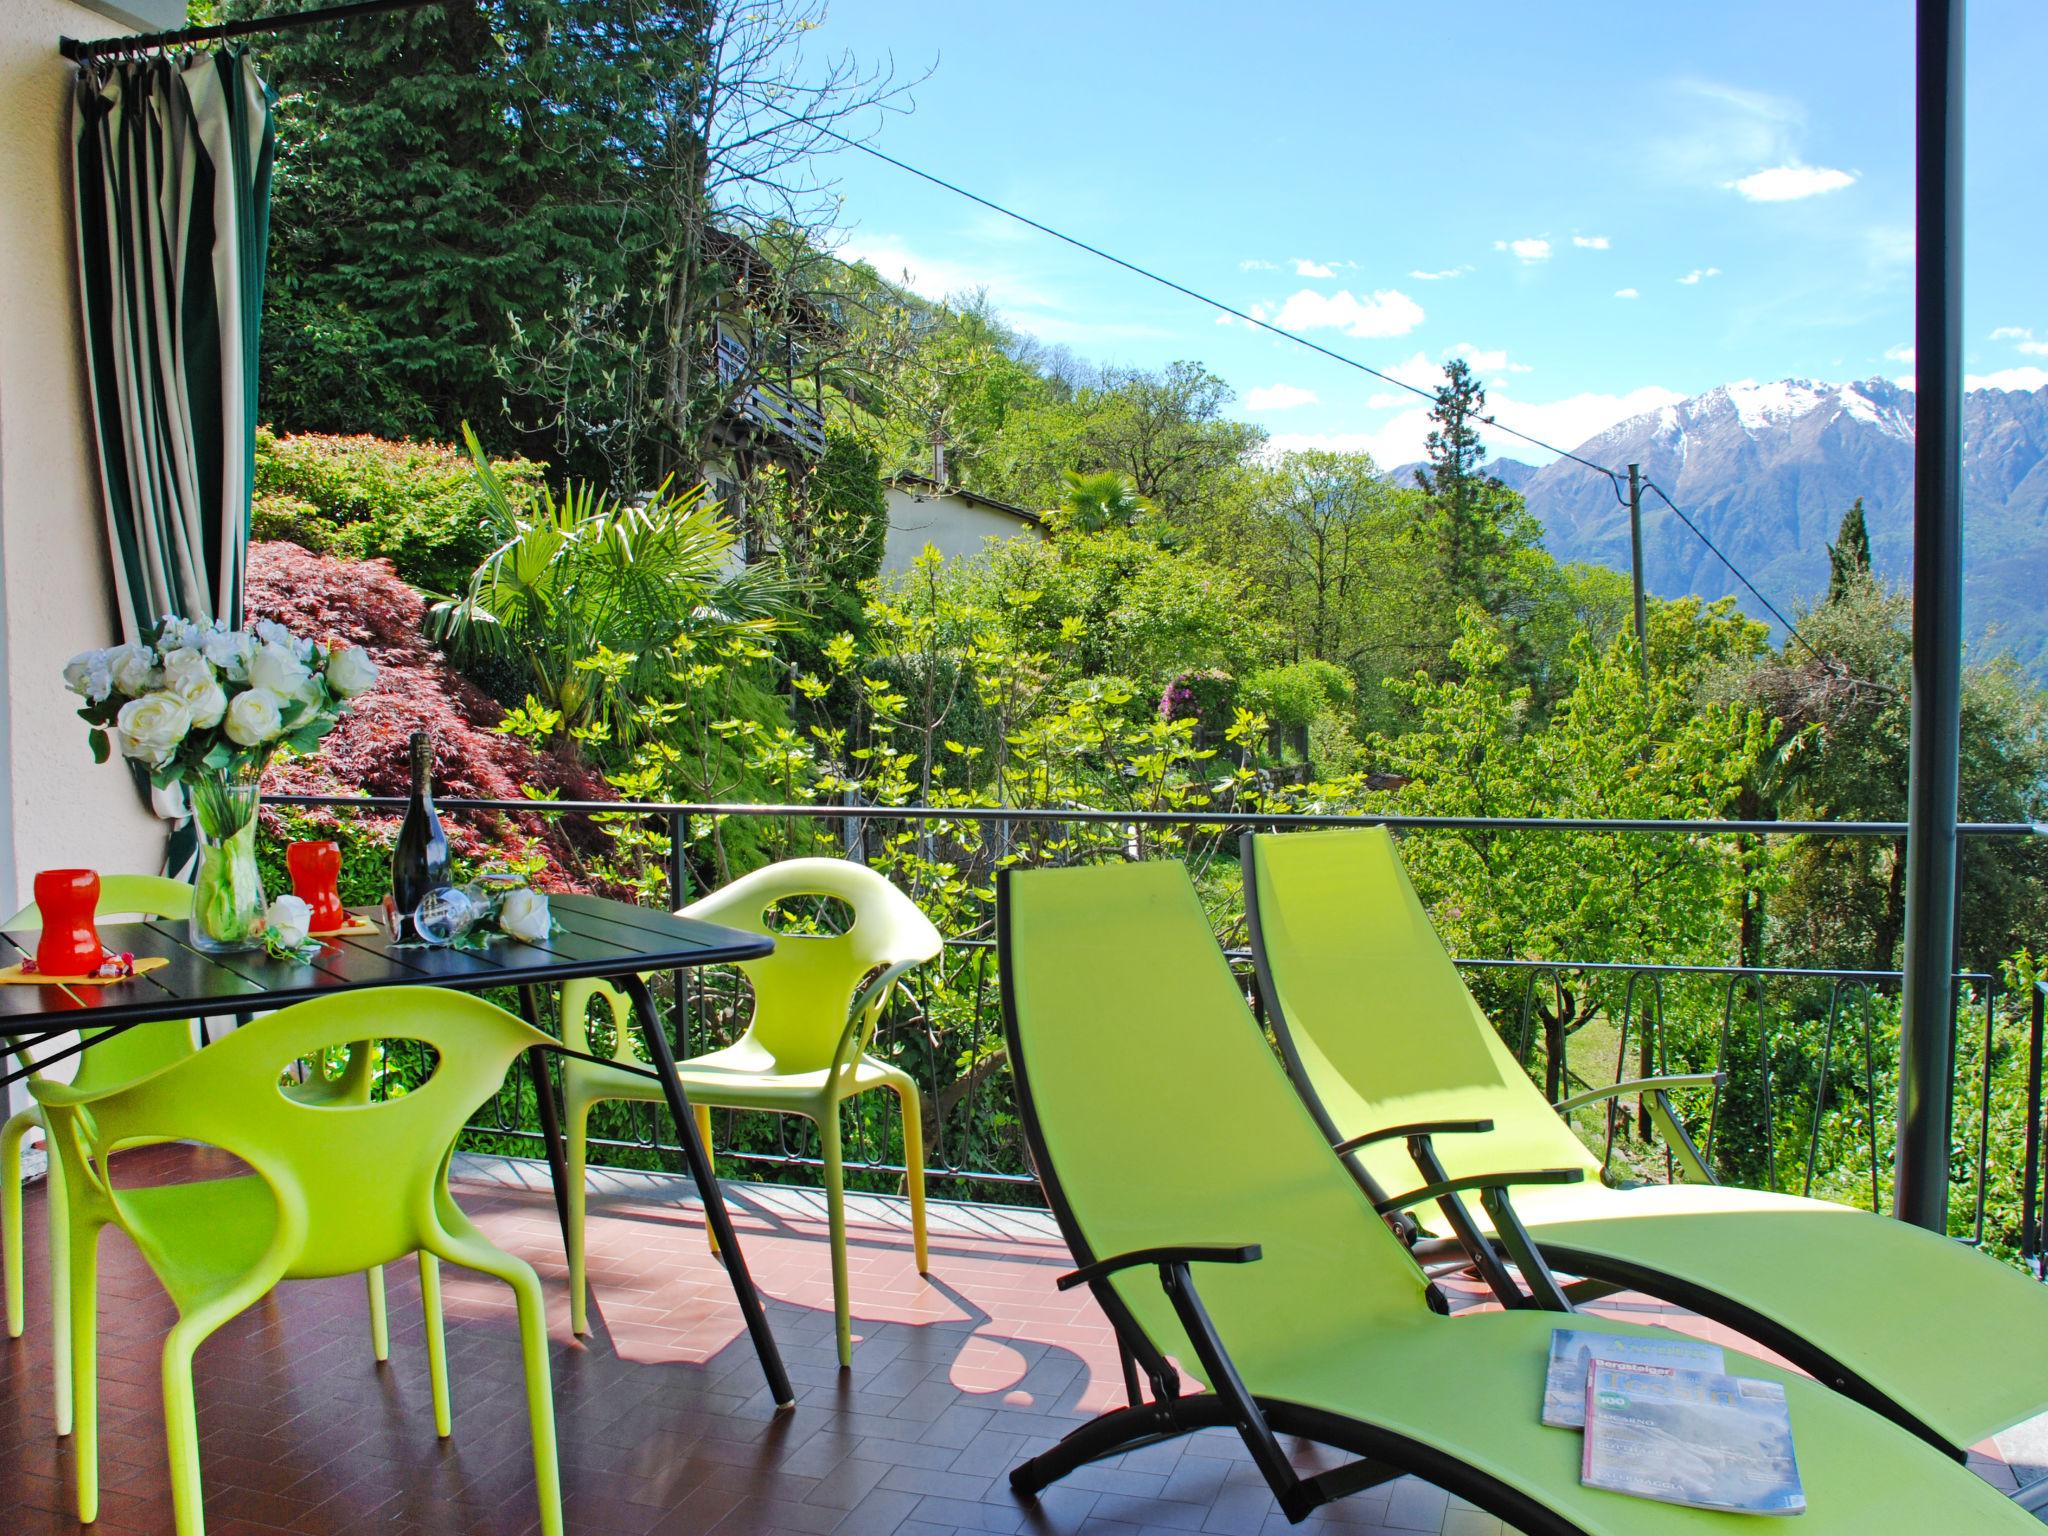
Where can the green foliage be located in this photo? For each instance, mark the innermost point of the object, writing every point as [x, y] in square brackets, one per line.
[439, 174]
[1114, 604]
[828, 526]
[1618, 746]
[1846, 710]
[418, 505]
[592, 598]
[1298, 694]
[1322, 539]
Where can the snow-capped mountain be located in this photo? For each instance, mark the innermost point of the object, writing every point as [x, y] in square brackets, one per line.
[1767, 470]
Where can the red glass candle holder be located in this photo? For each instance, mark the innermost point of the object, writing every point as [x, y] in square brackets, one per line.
[316, 875]
[66, 900]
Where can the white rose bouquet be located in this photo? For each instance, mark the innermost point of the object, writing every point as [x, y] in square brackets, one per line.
[204, 708]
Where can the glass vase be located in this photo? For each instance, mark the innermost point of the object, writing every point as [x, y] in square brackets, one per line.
[227, 896]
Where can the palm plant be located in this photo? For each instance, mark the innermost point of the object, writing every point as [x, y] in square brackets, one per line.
[594, 600]
[1094, 503]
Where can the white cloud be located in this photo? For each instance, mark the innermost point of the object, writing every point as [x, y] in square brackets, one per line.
[1398, 441]
[1568, 423]
[1385, 312]
[1899, 354]
[1279, 397]
[935, 278]
[1256, 311]
[1571, 421]
[1440, 277]
[2022, 337]
[2026, 379]
[1698, 275]
[1486, 362]
[1254, 264]
[1303, 267]
[1591, 242]
[1791, 182]
[1418, 372]
[1626, 293]
[1528, 250]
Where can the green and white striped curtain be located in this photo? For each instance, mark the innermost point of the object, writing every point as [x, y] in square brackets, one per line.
[172, 164]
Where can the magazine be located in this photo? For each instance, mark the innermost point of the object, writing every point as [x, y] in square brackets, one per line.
[1573, 1351]
[1695, 1438]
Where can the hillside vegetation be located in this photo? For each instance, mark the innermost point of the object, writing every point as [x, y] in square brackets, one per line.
[1210, 625]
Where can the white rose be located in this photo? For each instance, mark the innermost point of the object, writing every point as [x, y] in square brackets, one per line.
[190, 676]
[133, 669]
[524, 914]
[186, 671]
[150, 728]
[290, 919]
[231, 651]
[89, 675]
[270, 632]
[277, 669]
[254, 718]
[350, 672]
[208, 706]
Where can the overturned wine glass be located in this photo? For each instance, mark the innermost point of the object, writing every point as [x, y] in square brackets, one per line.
[445, 914]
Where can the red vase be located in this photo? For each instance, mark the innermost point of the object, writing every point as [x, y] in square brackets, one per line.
[316, 875]
[66, 900]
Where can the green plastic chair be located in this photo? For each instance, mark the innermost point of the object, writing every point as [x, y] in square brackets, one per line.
[1212, 1222]
[336, 1188]
[122, 1057]
[1377, 1026]
[817, 1000]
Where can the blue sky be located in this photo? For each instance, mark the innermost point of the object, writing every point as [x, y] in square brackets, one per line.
[1606, 205]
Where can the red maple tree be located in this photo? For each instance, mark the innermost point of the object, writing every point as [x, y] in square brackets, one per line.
[363, 602]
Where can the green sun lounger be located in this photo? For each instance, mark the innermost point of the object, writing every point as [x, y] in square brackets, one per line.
[1215, 1227]
[1377, 1026]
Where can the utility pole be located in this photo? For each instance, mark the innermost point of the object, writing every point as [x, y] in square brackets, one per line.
[1635, 564]
[1927, 1010]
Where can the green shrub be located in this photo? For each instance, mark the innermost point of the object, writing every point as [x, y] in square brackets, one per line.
[417, 505]
[1294, 695]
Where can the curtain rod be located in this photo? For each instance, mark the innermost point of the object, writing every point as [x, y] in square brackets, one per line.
[104, 47]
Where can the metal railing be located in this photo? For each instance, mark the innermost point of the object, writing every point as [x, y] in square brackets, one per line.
[1808, 1053]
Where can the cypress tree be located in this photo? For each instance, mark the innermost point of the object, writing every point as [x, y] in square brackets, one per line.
[1849, 555]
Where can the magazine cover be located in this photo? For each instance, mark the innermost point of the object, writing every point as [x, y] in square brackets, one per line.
[1689, 1437]
[1573, 1351]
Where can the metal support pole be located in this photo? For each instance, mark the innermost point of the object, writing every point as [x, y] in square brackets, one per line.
[678, 860]
[1927, 1014]
[1635, 565]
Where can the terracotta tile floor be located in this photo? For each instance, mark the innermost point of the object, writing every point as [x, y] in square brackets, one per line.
[664, 1421]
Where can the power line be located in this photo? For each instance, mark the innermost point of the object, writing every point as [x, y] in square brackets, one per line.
[1201, 298]
[1715, 550]
[1612, 476]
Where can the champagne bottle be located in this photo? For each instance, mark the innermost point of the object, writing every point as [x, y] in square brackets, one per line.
[419, 859]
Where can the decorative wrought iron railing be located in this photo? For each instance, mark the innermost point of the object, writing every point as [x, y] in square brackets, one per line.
[1809, 1055]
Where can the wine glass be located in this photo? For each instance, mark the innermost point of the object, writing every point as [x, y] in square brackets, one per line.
[444, 915]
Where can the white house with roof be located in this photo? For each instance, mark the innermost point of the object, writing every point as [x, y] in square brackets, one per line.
[958, 523]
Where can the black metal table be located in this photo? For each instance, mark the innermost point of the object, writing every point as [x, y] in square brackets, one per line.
[593, 937]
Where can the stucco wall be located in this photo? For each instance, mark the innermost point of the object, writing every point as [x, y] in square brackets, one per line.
[959, 528]
[56, 806]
